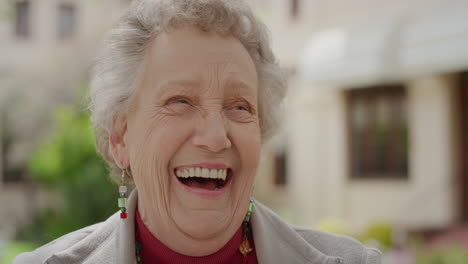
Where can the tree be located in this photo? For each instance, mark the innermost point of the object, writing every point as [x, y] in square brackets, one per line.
[68, 164]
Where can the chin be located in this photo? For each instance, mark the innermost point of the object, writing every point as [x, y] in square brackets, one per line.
[204, 224]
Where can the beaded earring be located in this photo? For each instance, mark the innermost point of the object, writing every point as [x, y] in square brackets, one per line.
[245, 247]
[122, 200]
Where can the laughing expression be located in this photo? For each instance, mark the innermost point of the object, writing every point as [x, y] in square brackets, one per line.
[193, 136]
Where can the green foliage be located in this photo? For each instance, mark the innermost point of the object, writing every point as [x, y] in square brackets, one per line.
[6, 14]
[68, 164]
[14, 248]
[377, 235]
[378, 232]
[446, 255]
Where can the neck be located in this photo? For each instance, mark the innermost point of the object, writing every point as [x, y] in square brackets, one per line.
[182, 242]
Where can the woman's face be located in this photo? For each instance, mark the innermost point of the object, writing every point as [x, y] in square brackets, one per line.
[193, 135]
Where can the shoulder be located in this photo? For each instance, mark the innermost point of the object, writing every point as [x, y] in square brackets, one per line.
[347, 248]
[76, 244]
[41, 254]
[279, 240]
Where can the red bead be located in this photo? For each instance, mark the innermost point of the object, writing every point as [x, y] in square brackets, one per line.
[244, 260]
[123, 215]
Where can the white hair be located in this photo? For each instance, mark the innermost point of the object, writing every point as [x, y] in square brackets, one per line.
[115, 77]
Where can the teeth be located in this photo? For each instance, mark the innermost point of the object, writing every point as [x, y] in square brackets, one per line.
[202, 172]
[205, 173]
[213, 174]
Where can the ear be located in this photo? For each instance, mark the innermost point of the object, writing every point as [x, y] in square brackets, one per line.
[117, 144]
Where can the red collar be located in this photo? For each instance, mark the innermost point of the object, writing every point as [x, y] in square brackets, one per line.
[156, 252]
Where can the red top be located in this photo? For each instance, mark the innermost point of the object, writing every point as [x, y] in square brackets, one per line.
[156, 252]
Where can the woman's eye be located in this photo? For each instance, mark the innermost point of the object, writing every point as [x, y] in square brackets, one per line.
[240, 107]
[181, 101]
[178, 104]
[178, 100]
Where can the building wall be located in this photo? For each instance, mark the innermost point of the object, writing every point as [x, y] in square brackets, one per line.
[37, 74]
[43, 43]
[290, 34]
[317, 154]
[319, 185]
[41, 71]
[426, 200]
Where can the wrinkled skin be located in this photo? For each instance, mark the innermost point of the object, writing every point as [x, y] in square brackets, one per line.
[197, 103]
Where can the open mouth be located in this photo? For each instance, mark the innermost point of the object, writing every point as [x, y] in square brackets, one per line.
[204, 178]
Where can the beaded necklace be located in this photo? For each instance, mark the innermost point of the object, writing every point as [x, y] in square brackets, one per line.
[244, 247]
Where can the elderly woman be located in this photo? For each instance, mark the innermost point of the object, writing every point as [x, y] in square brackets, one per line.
[184, 95]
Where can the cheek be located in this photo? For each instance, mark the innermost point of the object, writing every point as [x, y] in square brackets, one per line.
[155, 142]
[247, 140]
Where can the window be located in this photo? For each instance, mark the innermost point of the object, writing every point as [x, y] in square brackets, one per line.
[8, 172]
[294, 8]
[378, 132]
[463, 113]
[280, 168]
[22, 19]
[66, 21]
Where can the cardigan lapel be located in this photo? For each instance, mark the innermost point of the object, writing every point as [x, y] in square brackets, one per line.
[277, 242]
[126, 233]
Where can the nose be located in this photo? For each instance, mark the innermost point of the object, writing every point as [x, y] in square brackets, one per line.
[211, 133]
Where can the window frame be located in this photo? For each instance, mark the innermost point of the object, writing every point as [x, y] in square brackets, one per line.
[294, 9]
[63, 33]
[392, 93]
[22, 19]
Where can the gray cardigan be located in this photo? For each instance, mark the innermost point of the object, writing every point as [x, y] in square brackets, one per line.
[276, 241]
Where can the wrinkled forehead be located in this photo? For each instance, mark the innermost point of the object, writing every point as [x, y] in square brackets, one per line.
[191, 55]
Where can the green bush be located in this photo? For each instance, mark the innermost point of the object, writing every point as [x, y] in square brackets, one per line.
[380, 233]
[13, 248]
[68, 164]
[447, 255]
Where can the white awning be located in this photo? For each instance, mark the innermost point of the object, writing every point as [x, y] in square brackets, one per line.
[436, 42]
[397, 49]
[351, 56]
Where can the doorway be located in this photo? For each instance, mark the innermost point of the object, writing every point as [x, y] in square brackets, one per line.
[464, 147]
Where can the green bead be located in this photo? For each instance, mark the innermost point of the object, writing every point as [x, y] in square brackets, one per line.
[139, 246]
[122, 202]
[123, 209]
[247, 218]
[251, 206]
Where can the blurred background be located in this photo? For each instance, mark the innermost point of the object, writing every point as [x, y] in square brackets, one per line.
[374, 142]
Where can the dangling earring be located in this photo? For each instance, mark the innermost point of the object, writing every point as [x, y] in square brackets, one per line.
[122, 200]
[245, 247]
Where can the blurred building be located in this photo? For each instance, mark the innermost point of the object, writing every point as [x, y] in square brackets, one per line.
[377, 116]
[46, 49]
[376, 125]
